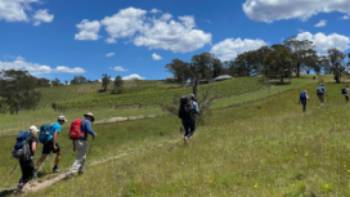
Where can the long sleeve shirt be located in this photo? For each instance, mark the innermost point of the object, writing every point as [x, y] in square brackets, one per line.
[86, 127]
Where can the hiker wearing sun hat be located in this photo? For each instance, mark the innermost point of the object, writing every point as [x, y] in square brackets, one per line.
[24, 149]
[79, 131]
[48, 136]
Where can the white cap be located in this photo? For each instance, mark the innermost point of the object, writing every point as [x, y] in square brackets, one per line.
[62, 118]
[33, 129]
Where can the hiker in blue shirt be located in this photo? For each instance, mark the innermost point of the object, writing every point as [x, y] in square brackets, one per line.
[80, 144]
[303, 99]
[49, 138]
[321, 91]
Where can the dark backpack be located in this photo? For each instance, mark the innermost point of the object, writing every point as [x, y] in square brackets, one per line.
[45, 134]
[320, 91]
[21, 150]
[344, 91]
[303, 96]
[75, 131]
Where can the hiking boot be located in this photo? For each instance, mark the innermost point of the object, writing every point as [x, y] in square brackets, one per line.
[20, 186]
[55, 169]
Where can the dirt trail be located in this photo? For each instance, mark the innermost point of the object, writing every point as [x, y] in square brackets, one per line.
[123, 119]
[38, 185]
[11, 132]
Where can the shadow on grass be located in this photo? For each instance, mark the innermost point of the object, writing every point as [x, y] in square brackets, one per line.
[7, 192]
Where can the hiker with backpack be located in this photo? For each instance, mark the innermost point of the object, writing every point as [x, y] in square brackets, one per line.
[303, 99]
[345, 93]
[79, 131]
[321, 91]
[48, 136]
[188, 111]
[24, 150]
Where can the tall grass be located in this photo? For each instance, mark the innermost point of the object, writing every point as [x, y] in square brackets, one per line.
[263, 148]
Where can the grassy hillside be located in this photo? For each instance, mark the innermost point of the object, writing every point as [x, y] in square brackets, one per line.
[257, 143]
[139, 98]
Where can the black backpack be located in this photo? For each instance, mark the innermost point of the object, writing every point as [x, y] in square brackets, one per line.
[21, 149]
[344, 91]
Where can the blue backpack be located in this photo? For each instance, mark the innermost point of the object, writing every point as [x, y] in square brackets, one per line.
[45, 134]
[303, 95]
[21, 150]
[320, 91]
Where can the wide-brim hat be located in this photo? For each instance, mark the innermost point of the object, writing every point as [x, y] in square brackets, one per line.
[91, 115]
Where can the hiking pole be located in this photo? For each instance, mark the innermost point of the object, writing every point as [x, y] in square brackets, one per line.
[11, 173]
[13, 169]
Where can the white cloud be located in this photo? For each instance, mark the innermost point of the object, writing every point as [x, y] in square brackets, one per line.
[123, 24]
[324, 42]
[321, 23]
[37, 69]
[110, 54]
[272, 10]
[156, 57]
[346, 17]
[133, 77]
[69, 70]
[88, 30]
[153, 30]
[173, 35]
[230, 48]
[23, 11]
[42, 16]
[15, 10]
[155, 11]
[119, 69]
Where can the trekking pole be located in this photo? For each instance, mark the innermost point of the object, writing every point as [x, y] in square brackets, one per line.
[11, 172]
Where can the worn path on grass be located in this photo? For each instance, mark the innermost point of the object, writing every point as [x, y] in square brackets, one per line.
[39, 185]
[10, 132]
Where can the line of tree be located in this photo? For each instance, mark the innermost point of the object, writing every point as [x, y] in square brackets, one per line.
[279, 61]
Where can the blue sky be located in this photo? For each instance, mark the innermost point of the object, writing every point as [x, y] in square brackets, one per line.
[53, 38]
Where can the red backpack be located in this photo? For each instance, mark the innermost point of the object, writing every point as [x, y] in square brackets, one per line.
[75, 132]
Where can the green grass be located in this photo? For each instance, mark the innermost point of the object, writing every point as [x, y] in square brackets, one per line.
[257, 142]
[139, 98]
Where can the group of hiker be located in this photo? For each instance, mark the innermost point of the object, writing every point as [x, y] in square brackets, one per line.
[48, 134]
[321, 93]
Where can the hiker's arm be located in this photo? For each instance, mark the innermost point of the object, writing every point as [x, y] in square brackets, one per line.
[34, 147]
[55, 137]
[89, 130]
[196, 107]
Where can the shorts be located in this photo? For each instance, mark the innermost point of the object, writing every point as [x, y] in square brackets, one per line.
[49, 148]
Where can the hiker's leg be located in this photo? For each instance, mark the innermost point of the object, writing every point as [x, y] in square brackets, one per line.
[186, 128]
[28, 170]
[84, 154]
[47, 148]
[78, 157]
[40, 161]
[58, 156]
[22, 166]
